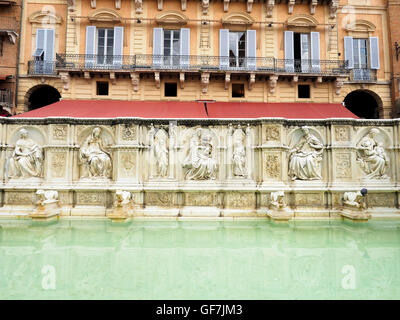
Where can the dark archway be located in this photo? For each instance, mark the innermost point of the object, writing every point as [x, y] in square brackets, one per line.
[41, 96]
[364, 104]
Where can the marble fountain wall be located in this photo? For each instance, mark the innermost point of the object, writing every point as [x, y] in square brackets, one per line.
[202, 168]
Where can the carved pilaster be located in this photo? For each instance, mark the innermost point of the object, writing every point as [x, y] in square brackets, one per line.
[290, 6]
[139, 6]
[338, 85]
[249, 5]
[205, 79]
[117, 4]
[226, 5]
[205, 4]
[295, 79]
[227, 80]
[93, 4]
[160, 4]
[313, 5]
[157, 79]
[252, 80]
[182, 79]
[71, 5]
[270, 7]
[183, 5]
[272, 84]
[112, 78]
[135, 78]
[65, 79]
[333, 7]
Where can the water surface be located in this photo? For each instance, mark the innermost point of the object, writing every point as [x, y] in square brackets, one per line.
[98, 259]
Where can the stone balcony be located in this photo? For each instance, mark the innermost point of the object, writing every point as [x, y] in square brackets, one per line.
[269, 67]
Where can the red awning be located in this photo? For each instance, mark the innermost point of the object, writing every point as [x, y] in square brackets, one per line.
[182, 109]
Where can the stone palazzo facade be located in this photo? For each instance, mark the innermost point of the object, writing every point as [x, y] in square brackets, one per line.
[201, 168]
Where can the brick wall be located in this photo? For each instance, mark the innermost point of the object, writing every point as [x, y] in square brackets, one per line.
[394, 23]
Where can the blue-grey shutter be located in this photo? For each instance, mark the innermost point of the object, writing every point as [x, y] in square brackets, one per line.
[315, 52]
[90, 50]
[40, 38]
[40, 44]
[118, 46]
[157, 46]
[224, 48]
[348, 52]
[49, 51]
[185, 47]
[374, 52]
[289, 51]
[251, 49]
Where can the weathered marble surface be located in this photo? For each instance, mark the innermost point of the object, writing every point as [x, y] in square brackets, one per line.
[199, 168]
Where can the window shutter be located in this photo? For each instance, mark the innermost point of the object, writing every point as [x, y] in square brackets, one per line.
[224, 48]
[251, 48]
[157, 46]
[374, 52]
[40, 36]
[90, 46]
[348, 52]
[118, 46]
[315, 52]
[289, 51]
[185, 47]
[49, 51]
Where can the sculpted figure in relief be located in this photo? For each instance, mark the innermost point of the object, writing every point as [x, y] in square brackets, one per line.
[239, 157]
[305, 157]
[95, 160]
[27, 158]
[161, 155]
[122, 198]
[278, 200]
[199, 162]
[355, 199]
[372, 156]
[46, 197]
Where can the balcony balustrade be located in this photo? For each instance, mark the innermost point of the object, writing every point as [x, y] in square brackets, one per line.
[192, 63]
[363, 75]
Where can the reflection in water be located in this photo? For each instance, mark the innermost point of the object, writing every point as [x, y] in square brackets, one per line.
[199, 260]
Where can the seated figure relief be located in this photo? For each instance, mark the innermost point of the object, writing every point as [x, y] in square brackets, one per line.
[95, 160]
[372, 157]
[27, 158]
[199, 162]
[305, 157]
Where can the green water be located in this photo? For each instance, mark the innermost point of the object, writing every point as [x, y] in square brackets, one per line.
[88, 259]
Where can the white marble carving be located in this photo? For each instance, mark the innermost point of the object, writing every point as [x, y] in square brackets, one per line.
[239, 154]
[122, 198]
[354, 200]
[94, 159]
[161, 153]
[277, 200]
[27, 158]
[305, 157]
[47, 204]
[199, 162]
[372, 157]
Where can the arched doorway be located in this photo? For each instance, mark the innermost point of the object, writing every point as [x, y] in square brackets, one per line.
[363, 103]
[41, 96]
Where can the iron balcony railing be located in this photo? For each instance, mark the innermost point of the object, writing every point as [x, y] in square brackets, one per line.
[8, 24]
[5, 96]
[193, 62]
[79, 62]
[363, 75]
[41, 67]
